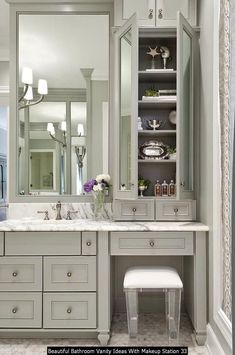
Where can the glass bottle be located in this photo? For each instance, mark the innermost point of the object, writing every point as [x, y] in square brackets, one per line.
[157, 189]
[172, 188]
[164, 188]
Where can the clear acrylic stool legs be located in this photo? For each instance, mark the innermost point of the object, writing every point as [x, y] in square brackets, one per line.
[172, 310]
[132, 312]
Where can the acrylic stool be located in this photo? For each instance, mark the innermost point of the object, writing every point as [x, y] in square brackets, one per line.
[154, 278]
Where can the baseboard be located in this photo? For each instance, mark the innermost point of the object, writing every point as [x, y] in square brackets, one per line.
[212, 343]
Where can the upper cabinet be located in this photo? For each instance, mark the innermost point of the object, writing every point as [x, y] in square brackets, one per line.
[154, 112]
[151, 13]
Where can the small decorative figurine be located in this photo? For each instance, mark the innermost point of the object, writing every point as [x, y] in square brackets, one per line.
[154, 52]
[154, 124]
[165, 54]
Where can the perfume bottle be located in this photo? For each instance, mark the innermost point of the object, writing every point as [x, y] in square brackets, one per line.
[172, 188]
[157, 189]
[164, 188]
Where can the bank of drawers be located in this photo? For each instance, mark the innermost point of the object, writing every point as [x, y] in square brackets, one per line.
[64, 284]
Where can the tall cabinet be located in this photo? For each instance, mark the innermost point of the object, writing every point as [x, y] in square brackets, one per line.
[154, 121]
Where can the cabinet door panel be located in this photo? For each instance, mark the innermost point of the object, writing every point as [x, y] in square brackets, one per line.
[126, 110]
[186, 41]
[166, 11]
[144, 9]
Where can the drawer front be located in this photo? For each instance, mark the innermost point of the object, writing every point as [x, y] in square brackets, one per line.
[176, 211]
[43, 243]
[69, 310]
[1, 243]
[20, 273]
[152, 243]
[20, 310]
[134, 210]
[74, 273]
[89, 243]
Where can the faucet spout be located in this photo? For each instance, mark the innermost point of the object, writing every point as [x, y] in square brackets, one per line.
[58, 210]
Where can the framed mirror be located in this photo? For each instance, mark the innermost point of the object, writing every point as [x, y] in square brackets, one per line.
[62, 101]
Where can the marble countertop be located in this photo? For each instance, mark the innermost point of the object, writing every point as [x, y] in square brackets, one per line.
[29, 224]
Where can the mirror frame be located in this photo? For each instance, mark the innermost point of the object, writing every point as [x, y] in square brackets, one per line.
[50, 7]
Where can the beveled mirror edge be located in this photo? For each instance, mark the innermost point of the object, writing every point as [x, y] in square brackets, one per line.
[16, 9]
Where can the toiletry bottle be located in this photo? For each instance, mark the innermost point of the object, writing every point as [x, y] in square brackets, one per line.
[164, 188]
[157, 189]
[172, 188]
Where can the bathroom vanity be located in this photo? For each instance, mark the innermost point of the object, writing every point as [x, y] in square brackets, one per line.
[56, 278]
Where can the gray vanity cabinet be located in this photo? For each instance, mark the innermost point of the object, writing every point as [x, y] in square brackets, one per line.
[135, 74]
[49, 273]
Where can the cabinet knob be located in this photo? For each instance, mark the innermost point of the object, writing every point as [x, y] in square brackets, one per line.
[160, 13]
[182, 183]
[176, 210]
[151, 243]
[15, 273]
[134, 209]
[150, 14]
[14, 310]
[88, 244]
[69, 274]
[69, 310]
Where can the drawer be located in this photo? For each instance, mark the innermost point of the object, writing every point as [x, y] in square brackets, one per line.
[20, 310]
[20, 273]
[73, 273]
[89, 243]
[69, 310]
[175, 210]
[151, 243]
[1, 243]
[43, 243]
[133, 210]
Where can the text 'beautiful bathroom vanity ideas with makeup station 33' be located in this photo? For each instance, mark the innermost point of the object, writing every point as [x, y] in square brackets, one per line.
[120, 97]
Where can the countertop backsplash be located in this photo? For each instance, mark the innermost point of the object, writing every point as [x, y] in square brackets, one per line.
[85, 210]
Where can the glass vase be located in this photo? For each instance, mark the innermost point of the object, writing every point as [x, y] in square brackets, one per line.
[98, 198]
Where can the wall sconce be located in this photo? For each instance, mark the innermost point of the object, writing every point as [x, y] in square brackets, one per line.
[26, 99]
[80, 130]
[51, 130]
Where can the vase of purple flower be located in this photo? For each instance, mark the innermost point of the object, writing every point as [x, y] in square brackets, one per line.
[98, 187]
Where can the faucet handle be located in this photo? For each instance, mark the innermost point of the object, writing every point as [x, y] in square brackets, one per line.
[46, 217]
[68, 218]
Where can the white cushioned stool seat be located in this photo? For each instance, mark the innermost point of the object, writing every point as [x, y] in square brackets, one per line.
[152, 277]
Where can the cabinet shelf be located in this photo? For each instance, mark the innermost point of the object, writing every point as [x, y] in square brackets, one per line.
[152, 161]
[157, 132]
[158, 76]
[157, 103]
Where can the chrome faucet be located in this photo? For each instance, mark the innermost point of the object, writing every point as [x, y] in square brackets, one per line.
[58, 210]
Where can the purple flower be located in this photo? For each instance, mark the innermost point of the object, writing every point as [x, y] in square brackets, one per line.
[88, 186]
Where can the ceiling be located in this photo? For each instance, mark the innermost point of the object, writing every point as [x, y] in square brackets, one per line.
[56, 47]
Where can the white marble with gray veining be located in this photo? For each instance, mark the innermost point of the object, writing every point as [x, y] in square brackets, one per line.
[29, 224]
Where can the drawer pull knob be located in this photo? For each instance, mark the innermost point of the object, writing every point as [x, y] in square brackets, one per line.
[69, 274]
[133, 209]
[69, 310]
[151, 243]
[15, 273]
[176, 210]
[88, 244]
[160, 13]
[14, 310]
[150, 14]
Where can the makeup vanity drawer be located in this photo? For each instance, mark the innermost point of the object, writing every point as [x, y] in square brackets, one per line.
[88, 243]
[73, 273]
[43, 243]
[1, 243]
[69, 310]
[20, 273]
[20, 310]
[133, 210]
[151, 243]
[175, 210]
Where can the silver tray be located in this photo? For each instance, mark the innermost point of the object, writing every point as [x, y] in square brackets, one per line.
[153, 150]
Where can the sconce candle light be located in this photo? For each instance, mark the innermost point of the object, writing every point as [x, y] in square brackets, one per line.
[51, 130]
[26, 99]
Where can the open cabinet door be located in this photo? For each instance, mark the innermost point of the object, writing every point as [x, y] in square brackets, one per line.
[126, 110]
[186, 39]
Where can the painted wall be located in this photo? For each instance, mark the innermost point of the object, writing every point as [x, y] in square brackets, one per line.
[4, 73]
[209, 153]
